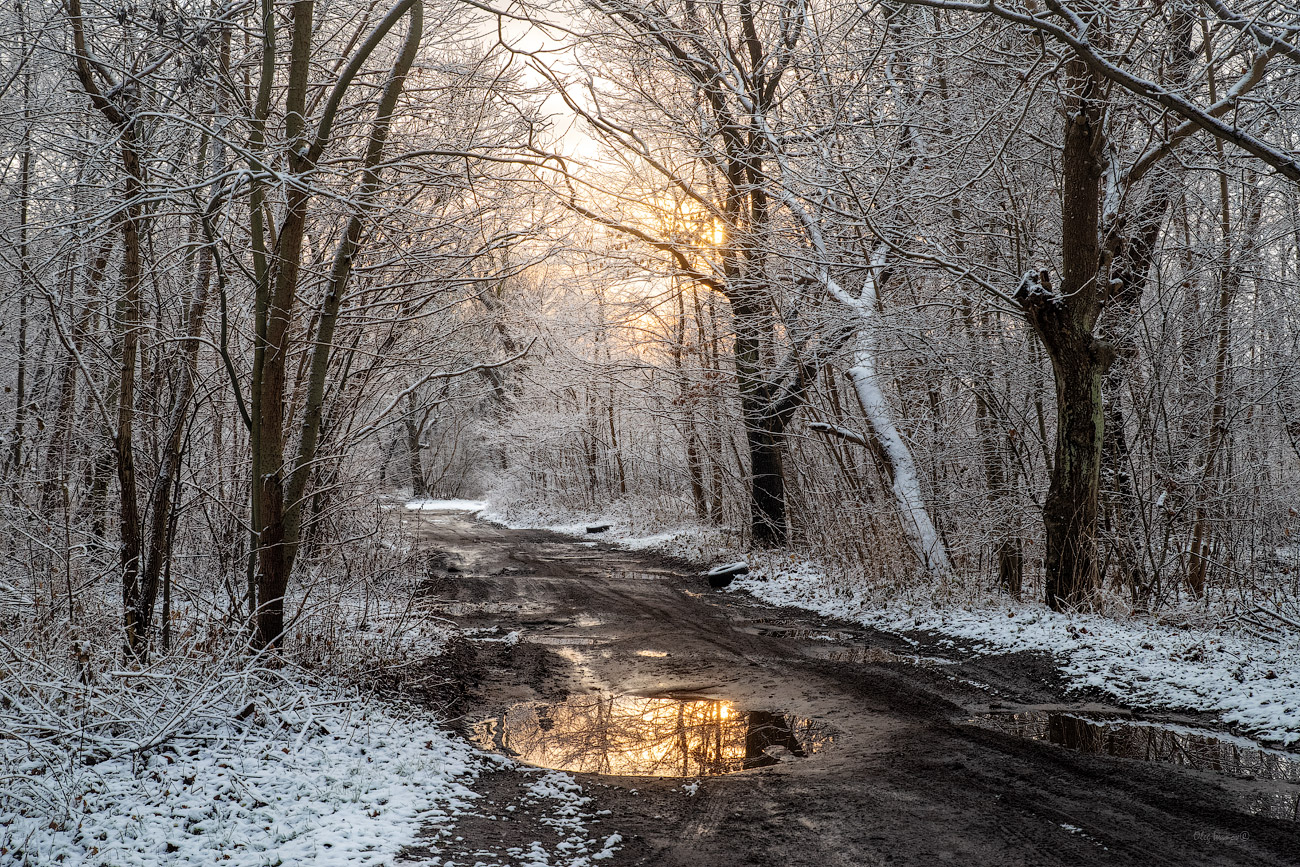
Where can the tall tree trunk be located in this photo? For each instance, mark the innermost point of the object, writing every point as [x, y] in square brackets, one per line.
[1214, 458]
[281, 486]
[886, 439]
[1130, 245]
[56, 455]
[129, 316]
[14, 460]
[415, 467]
[1064, 322]
[166, 484]
[274, 563]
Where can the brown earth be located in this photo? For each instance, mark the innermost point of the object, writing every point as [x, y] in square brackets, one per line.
[906, 779]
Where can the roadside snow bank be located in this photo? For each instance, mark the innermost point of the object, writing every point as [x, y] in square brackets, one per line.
[1252, 685]
[688, 541]
[427, 505]
[323, 780]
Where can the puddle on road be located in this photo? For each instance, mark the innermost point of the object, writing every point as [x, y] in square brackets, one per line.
[641, 574]
[872, 656]
[623, 735]
[561, 640]
[1166, 744]
[457, 608]
[794, 633]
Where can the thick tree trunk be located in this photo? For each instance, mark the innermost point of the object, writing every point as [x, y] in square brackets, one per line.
[767, 497]
[1070, 511]
[1064, 322]
[763, 424]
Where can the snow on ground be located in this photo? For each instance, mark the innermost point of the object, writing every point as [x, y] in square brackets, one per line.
[1253, 685]
[328, 780]
[331, 781]
[428, 505]
[689, 541]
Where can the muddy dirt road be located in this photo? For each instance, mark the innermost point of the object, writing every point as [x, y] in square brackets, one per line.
[875, 762]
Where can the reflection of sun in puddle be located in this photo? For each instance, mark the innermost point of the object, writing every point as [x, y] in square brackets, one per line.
[662, 737]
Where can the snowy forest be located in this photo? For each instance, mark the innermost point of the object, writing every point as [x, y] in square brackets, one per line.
[969, 321]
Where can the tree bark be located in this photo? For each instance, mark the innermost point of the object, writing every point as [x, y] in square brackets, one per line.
[1064, 322]
[415, 467]
[129, 324]
[281, 487]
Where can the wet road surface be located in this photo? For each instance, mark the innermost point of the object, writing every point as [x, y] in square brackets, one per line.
[838, 745]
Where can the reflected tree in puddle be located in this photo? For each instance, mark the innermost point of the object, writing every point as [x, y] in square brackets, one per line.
[632, 736]
[1166, 744]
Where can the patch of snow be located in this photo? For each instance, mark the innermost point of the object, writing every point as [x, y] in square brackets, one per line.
[311, 778]
[1251, 685]
[568, 819]
[333, 782]
[610, 847]
[427, 505]
[688, 541]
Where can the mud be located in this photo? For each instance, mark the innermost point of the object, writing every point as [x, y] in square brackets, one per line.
[905, 778]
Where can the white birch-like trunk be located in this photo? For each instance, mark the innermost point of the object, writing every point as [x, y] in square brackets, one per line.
[906, 483]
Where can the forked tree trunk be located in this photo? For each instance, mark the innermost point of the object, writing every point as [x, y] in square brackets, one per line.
[1130, 245]
[129, 326]
[415, 466]
[280, 486]
[1064, 322]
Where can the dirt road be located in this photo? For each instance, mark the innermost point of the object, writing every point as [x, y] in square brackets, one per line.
[900, 775]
